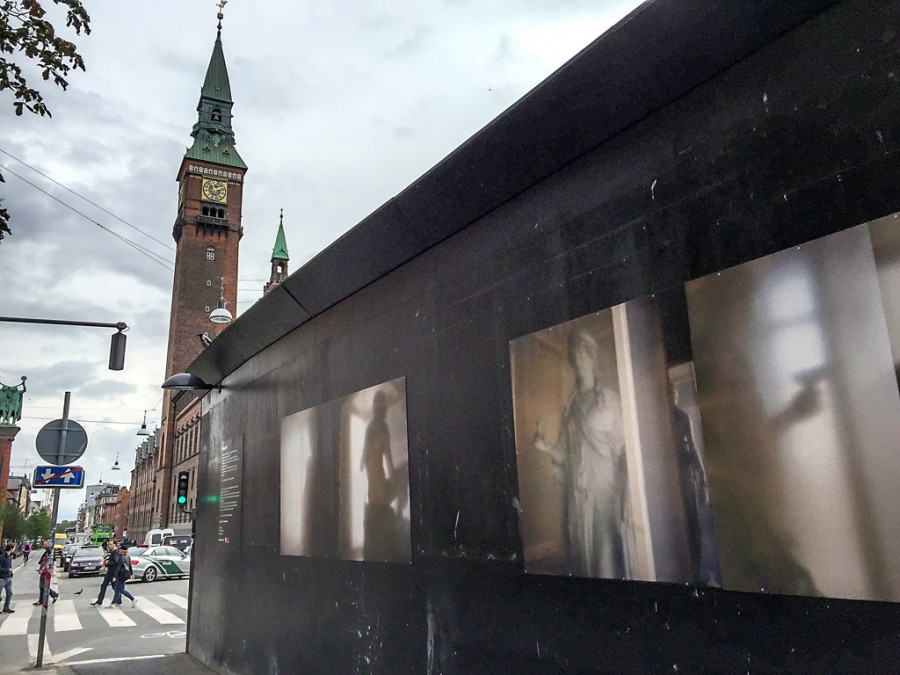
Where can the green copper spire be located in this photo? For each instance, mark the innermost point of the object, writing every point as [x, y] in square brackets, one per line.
[213, 135]
[280, 252]
[216, 84]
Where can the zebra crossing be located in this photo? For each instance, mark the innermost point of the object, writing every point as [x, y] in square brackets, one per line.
[167, 609]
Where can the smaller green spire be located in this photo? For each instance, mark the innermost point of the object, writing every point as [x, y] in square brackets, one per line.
[280, 251]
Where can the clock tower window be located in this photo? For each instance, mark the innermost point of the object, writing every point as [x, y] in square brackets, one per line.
[216, 115]
[210, 253]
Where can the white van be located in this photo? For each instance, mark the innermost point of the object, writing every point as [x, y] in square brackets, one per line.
[155, 537]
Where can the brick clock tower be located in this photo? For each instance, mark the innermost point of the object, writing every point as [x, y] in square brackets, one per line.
[207, 232]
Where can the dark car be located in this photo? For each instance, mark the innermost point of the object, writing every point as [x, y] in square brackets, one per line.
[66, 555]
[179, 541]
[86, 560]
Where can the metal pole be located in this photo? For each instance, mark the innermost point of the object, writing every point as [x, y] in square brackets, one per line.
[120, 325]
[45, 596]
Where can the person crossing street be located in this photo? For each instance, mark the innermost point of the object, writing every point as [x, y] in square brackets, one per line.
[45, 571]
[112, 563]
[123, 573]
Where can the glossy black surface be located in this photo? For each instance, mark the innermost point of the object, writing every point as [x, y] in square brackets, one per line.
[514, 233]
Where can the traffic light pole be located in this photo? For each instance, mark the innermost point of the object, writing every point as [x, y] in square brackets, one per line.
[116, 345]
[48, 573]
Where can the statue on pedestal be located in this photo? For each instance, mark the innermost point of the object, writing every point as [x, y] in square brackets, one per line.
[11, 403]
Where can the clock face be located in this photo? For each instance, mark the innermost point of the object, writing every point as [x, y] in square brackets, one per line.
[215, 190]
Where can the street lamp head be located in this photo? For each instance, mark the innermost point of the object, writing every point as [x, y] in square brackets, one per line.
[220, 314]
[143, 430]
[186, 382]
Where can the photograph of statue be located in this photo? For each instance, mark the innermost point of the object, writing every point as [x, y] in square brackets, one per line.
[345, 477]
[612, 480]
[575, 507]
[589, 455]
[375, 475]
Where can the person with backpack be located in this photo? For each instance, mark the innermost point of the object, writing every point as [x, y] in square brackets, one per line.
[26, 551]
[123, 574]
[112, 564]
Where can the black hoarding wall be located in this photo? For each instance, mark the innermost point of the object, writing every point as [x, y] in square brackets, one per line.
[794, 142]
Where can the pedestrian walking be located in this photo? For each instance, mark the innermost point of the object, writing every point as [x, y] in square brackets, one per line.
[26, 551]
[123, 573]
[45, 571]
[6, 577]
[111, 568]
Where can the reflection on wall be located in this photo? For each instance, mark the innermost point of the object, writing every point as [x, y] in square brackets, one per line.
[801, 420]
[345, 477]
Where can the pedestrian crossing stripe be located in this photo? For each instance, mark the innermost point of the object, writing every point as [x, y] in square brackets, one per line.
[65, 616]
[179, 600]
[116, 618]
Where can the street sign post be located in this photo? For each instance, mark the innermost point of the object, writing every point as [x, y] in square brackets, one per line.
[61, 441]
[58, 477]
[68, 439]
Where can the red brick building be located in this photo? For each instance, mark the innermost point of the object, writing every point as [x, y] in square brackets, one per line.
[207, 233]
[143, 487]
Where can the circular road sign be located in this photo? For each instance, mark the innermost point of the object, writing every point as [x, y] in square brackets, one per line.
[47, 442]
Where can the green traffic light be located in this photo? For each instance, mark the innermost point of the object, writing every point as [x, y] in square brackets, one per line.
[182, 500]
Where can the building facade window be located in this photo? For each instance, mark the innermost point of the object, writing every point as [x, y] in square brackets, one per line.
[210, 253]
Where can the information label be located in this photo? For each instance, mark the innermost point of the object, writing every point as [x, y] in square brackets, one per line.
[231, 471]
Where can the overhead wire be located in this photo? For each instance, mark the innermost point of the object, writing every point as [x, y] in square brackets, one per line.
[80, 196]
[158, 259]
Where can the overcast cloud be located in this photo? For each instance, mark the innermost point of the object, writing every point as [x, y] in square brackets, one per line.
[338, 107]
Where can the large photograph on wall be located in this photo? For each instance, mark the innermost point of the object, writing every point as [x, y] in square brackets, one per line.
[742, 430]
[612, 478]
[345, 477]
[801, 415]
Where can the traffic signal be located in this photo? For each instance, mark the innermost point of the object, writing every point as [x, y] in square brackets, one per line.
[183, 479]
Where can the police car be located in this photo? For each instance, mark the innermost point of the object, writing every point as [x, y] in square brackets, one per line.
[158, 562]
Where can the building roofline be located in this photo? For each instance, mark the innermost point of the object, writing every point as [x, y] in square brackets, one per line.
[651, 58]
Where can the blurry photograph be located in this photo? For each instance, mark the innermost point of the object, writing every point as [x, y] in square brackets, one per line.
[375, 475]
[797, 390]
[307, 486]
[345, 477]
[611, 478]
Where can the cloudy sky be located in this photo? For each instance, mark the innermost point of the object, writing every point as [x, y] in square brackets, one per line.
[338, 107]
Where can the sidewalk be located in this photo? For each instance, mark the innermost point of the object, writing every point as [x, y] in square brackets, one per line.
[183, 664]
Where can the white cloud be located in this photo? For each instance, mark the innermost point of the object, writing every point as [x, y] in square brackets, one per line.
[338, 107]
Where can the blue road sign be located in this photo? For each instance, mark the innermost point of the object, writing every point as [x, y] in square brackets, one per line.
[58, 477]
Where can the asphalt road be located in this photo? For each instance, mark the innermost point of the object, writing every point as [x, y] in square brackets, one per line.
[77, 632]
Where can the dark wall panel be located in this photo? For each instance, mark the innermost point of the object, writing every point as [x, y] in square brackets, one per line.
[799, 140]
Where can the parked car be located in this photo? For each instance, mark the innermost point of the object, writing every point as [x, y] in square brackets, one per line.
[179, 541]
[86, 560]
[66, 556]
[159, 562]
